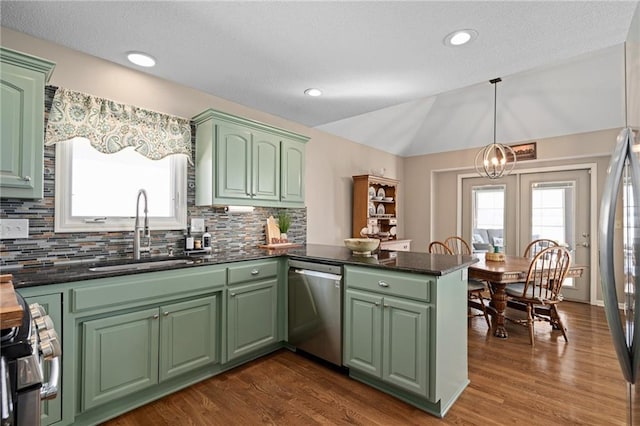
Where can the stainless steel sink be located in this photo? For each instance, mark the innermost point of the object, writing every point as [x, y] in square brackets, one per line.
[141, 265]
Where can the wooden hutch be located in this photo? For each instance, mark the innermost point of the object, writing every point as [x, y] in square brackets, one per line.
[375, 210]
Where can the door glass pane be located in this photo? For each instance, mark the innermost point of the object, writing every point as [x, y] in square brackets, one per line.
[552, 214]
[488, 217]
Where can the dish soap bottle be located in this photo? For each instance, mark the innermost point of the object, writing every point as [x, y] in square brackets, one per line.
[206, 239]
[188, 242]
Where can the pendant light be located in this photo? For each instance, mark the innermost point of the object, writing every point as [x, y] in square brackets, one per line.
[493, 160]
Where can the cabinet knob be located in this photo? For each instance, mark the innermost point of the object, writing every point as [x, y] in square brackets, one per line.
[283, 196]
[156, 316]
[385, 305]
[233, 295]
[376, 303]
[166, 314]
[383, 284]
[27, 178]
[255, 272]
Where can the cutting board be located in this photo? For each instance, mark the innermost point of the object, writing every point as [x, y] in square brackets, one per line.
[279, 245]
[272, 229]
[10, 310]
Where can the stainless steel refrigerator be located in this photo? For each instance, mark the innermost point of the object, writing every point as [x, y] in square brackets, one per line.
[620, 261]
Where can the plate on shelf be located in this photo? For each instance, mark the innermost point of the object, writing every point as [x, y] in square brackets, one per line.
[381, 193]
[393, 230]
[372, 192]
[372, 209]
[388, 199]
[380, 209]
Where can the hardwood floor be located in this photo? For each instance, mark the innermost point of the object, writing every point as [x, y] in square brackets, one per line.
[554, 383]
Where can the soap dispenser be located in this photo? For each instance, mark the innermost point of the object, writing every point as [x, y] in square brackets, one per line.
[188, 242]
[206, 239]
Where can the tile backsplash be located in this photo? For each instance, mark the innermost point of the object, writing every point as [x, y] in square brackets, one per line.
[229, 231]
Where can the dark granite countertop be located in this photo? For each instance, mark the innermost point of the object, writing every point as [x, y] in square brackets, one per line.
[423, 263]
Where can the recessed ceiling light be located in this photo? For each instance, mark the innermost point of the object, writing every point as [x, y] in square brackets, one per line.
[313, 92]
[460, 37]
[141, 59]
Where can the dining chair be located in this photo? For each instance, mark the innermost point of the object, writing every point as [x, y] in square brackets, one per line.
[475, 288]
[457, 245]
[533, 248]
[542, 288]
[536, 246]
[438, 247]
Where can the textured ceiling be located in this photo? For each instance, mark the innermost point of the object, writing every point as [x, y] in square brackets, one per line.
[373, 57]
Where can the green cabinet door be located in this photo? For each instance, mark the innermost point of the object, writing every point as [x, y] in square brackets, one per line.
[188, 336]
[233, 161]
[292, 172]
[363, 332]
[266, 167]
[52, 303]
[120, 356]
[252, 317]
[22, 124]
[405, 345]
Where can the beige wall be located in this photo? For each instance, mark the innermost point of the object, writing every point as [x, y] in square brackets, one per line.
[431, 208]
[431, 179]
[331, 161]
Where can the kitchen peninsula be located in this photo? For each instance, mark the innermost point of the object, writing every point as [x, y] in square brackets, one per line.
[404, 324]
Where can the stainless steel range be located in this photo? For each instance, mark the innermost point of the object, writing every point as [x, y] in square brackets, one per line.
[23, 352]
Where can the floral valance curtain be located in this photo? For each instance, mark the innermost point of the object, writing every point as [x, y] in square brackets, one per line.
[111, 126]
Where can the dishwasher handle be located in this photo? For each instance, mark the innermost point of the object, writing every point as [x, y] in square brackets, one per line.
[318, 274]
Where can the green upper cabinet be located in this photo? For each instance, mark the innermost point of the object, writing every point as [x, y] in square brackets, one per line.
[266, 167]
[292, 172]
[22, 80]
[234, 166]
[244, 162]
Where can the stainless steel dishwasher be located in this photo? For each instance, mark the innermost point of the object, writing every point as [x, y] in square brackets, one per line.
[315, 309]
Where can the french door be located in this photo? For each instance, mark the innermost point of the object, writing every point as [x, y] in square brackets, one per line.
[527, 206]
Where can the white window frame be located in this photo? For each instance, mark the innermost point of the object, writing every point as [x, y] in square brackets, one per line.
[65, 222]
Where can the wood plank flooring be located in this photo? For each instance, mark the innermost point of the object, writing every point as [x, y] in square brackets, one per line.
[554, 383]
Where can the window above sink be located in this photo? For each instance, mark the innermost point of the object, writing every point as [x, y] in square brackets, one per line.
[97, 192]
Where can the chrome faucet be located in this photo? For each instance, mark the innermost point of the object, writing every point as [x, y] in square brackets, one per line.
[136, 230]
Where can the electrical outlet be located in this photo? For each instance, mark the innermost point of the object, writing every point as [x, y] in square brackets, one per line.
[197, 224]
[14, 228]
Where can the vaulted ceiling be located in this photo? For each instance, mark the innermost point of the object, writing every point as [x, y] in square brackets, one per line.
[388, 79]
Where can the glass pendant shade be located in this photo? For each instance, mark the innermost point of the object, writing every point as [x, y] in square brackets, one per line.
[495, 160]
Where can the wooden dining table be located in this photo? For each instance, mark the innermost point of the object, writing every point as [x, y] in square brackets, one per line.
[513, 269]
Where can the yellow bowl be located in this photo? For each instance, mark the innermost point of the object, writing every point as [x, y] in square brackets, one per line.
[362, 246]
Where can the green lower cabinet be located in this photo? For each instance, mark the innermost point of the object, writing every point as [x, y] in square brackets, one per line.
[188, 336]
[363, 332]
[52, 303]
[120, 356]
[130, 352]
[252, 317]
[405, 346]
[387, 337]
